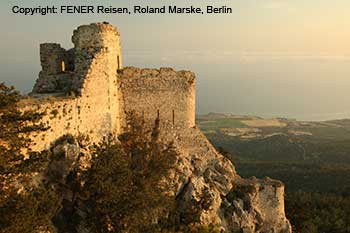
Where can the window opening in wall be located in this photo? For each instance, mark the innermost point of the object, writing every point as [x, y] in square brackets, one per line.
[158, 114]
[63, 66]
[173, 117]
[118, 62]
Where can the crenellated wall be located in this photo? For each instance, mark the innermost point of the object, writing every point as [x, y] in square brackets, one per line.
[162, 92]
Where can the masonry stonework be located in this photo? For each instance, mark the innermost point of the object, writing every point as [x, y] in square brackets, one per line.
[83, 99]
[93, 94]
[51, 58]
[159, 93]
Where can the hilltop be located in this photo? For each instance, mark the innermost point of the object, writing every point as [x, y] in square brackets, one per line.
[118, 150]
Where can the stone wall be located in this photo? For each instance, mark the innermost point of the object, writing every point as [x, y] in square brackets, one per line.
[160, 92]
[51, 57]
[103, 97]
[94, 110]
[92, 41]
[97, 52]
[66, 115]
[53, 83]
[52, 78]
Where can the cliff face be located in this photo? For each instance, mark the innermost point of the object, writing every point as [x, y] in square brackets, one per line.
[232, 203]
[201, 180]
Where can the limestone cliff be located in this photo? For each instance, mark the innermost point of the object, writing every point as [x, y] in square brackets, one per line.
[235, 204]
[202, 179]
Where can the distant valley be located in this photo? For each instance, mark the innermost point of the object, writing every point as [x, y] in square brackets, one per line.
[306, 155]
[312, 158]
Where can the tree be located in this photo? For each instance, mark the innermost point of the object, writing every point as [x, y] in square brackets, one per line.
[25, 204]
[124, 183]
[127, 187]
[15, 126]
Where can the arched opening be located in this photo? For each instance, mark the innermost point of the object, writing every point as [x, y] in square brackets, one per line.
[63, 66]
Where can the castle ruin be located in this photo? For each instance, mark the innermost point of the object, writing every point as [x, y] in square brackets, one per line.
[86, 91]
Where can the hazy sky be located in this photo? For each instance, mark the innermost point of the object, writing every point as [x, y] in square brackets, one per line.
[270, 57]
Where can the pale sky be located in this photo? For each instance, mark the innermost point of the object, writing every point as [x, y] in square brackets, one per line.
[270, 57]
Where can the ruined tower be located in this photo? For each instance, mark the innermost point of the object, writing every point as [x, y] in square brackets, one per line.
[97, 57]
[97, 60]
[81, 84]
[92, 94]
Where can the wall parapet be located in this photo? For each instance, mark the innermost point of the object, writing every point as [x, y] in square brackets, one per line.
[163, 93]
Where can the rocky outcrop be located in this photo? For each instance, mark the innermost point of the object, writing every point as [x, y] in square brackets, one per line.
[207, 181]
[255, 206]
[203, 183]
